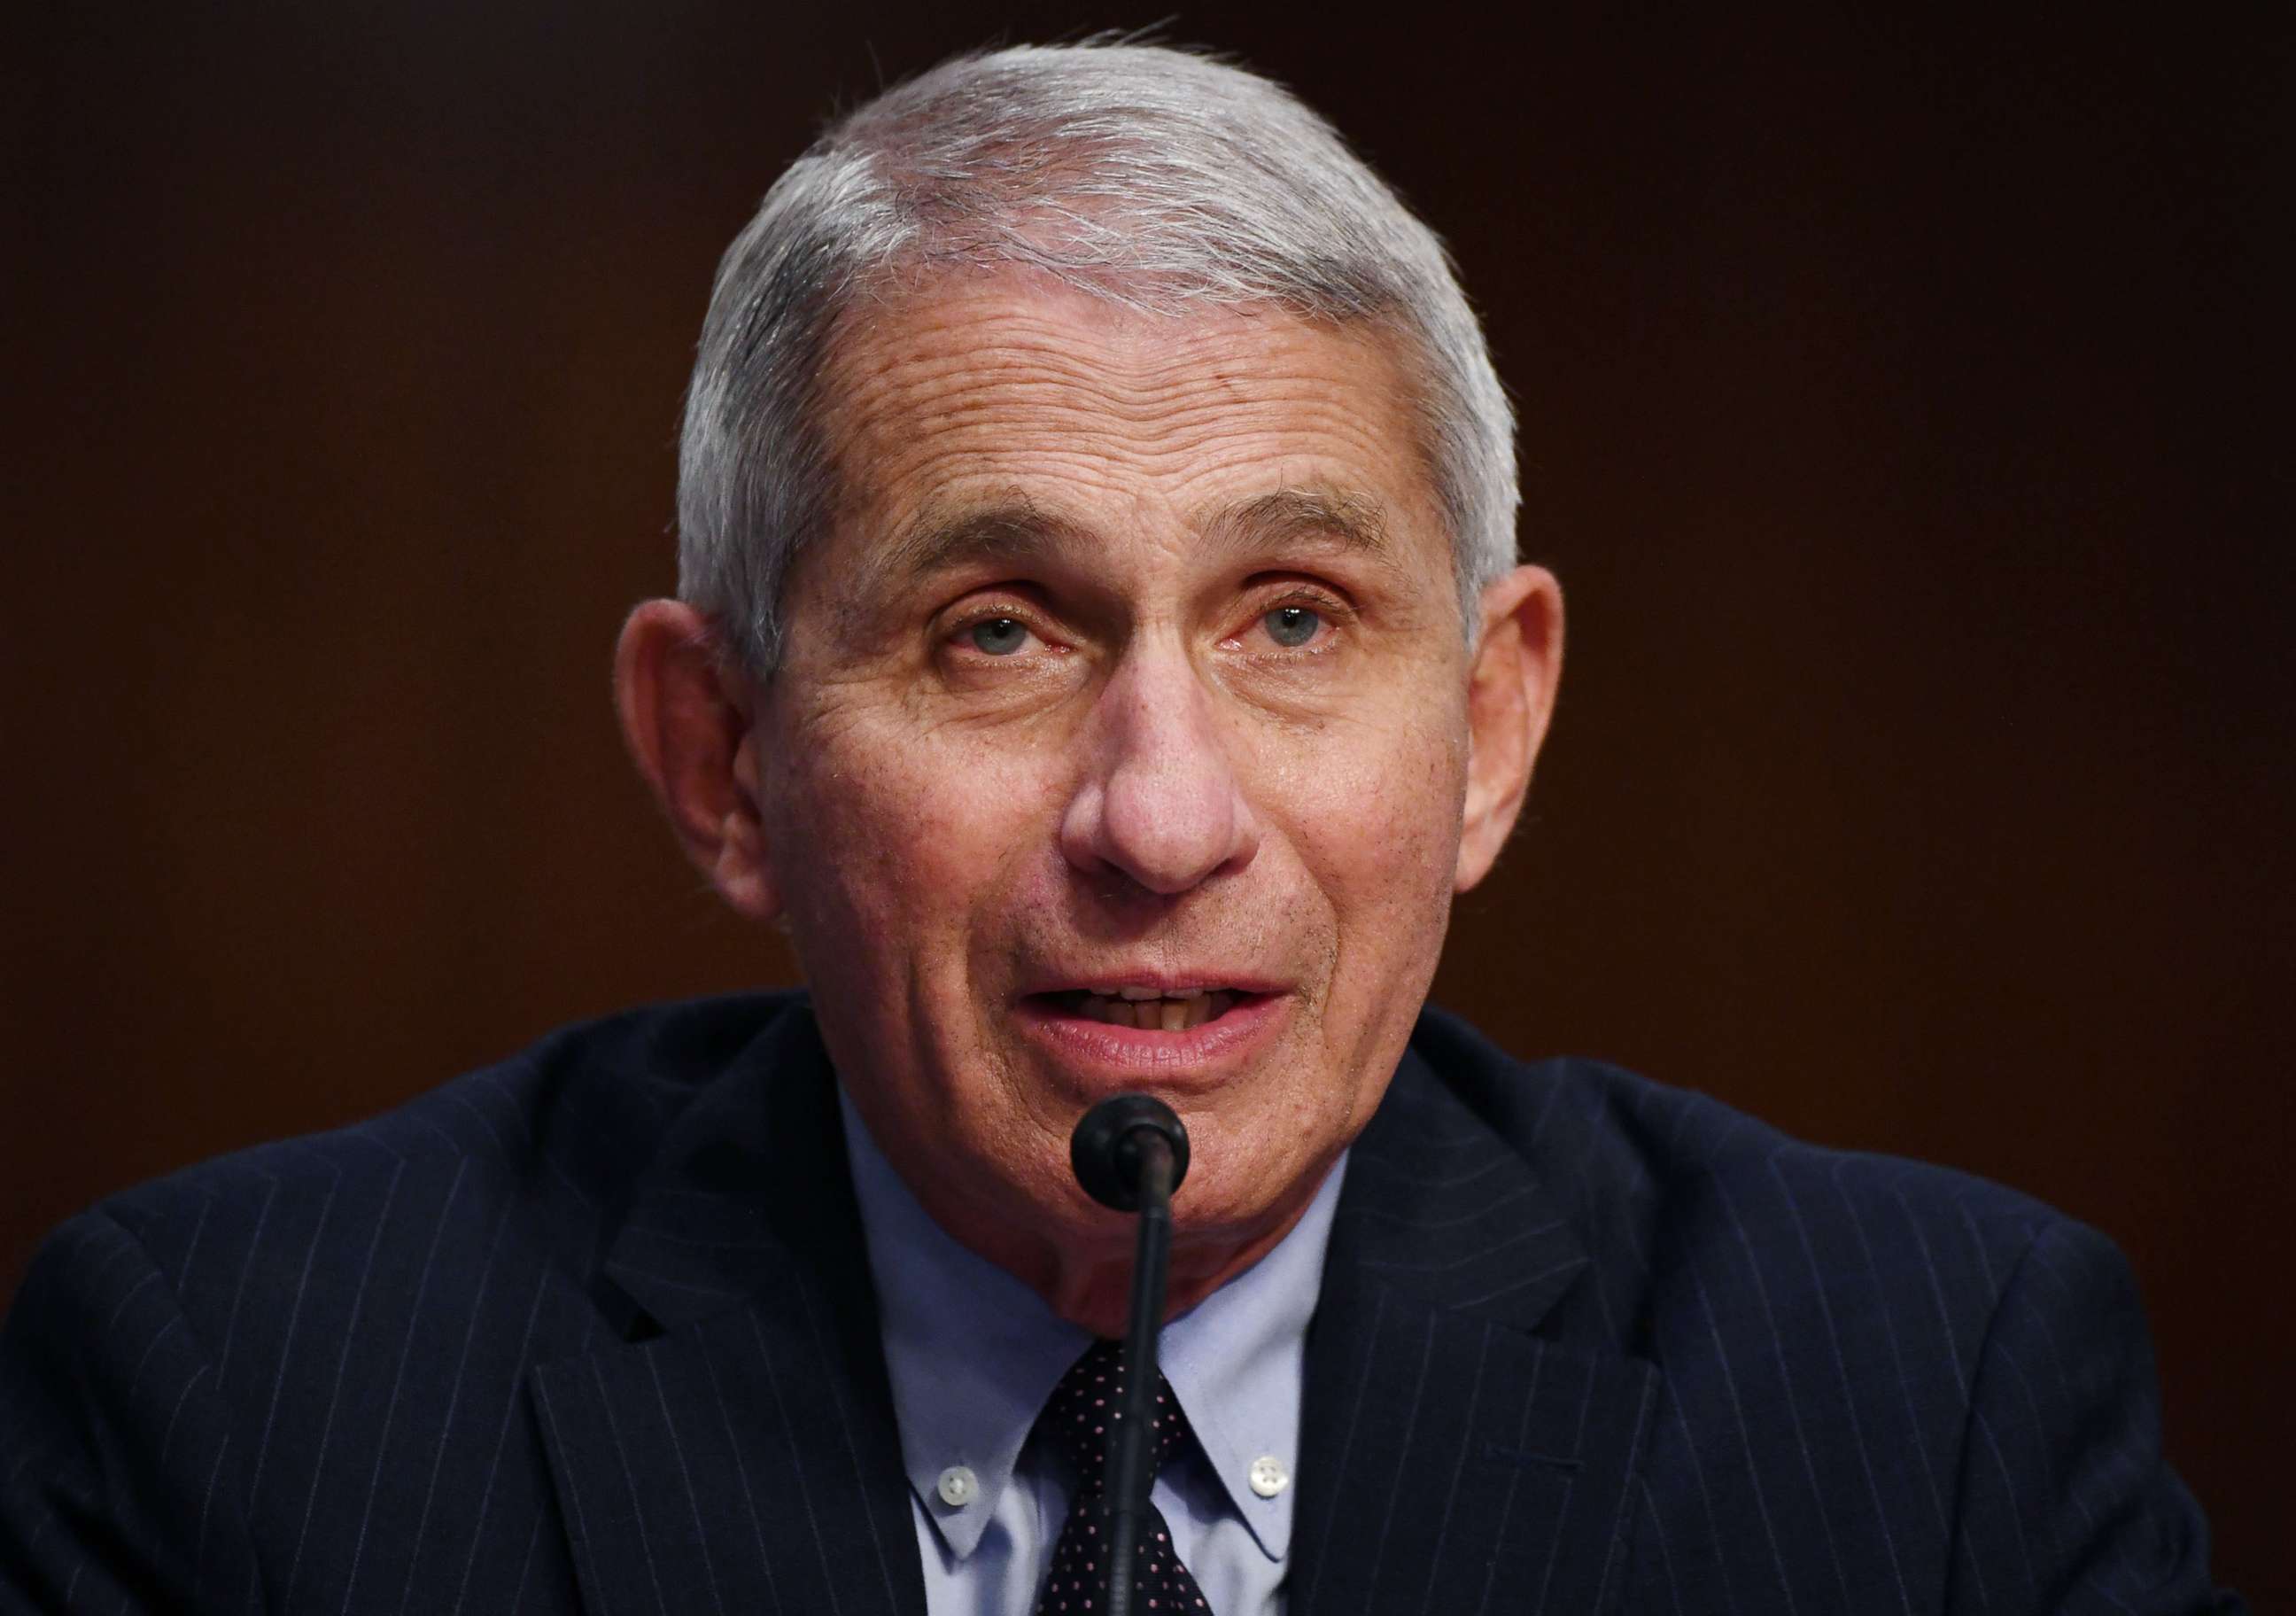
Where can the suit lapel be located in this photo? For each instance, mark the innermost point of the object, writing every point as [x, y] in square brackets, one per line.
[737, 1453]
[1452, 1458]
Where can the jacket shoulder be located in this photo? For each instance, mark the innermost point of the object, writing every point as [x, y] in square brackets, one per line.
[1944, 1382]
[251, 1361]
[1674, 1189]
[527, 1153]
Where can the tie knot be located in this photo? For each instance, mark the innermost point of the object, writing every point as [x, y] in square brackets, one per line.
[1085, 1410]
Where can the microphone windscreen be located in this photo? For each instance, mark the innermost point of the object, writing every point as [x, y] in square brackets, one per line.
[1105, 1153]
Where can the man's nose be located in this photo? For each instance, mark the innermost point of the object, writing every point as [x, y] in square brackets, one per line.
[1160, 800]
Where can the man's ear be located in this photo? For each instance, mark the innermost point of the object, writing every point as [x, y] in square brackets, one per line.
[690, 718]
[1510, 697]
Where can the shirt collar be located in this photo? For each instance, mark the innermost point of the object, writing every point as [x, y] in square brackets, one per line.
[1237, 1361]
[972, 1353]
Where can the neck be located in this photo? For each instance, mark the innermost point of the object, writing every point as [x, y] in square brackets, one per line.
[1078, 1256]
[1085, 1275]
[1095, 1291]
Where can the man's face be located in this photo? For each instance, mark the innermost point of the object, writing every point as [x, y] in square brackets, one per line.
[1120, 743]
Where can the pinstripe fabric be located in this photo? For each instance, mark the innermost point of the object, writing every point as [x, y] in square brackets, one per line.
[295, 1378]
[592, 1330]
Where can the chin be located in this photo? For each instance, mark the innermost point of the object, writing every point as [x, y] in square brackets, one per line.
[1241, 1186]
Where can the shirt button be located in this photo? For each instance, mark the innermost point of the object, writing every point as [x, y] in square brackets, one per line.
[960, 1487]
[1268, 1476]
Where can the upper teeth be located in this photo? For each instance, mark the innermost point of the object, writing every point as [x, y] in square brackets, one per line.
[1150, 1010]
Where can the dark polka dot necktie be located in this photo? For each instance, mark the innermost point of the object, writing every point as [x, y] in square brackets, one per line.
[1080, 1418]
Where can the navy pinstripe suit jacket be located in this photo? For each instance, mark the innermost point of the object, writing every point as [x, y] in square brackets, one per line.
[593, 1330]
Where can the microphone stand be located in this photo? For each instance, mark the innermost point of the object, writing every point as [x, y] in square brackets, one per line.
[1131, 1460]
[1130, 1152]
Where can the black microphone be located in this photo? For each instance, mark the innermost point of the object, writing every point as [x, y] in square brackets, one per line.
[1130, 1152]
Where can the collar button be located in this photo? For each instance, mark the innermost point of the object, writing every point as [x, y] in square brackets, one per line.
[959, 1487]
[1269, 1475]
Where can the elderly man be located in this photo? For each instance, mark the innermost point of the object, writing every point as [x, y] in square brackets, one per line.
[1100, 644]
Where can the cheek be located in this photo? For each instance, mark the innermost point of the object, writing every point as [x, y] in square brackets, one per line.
[896, 838]
[1379, 830]
[1377, 817]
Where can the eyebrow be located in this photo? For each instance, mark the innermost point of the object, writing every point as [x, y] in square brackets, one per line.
[938, 540]
[1353, 522]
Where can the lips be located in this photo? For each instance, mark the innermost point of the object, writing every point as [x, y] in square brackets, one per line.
[1174, 1031]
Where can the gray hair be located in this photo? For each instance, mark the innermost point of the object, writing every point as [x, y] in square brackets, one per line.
[1156, 179]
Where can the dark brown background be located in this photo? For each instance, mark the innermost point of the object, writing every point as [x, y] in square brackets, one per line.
[1906, 411]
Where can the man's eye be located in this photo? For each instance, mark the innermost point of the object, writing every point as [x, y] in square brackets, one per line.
[1292, 626]
[999, 636]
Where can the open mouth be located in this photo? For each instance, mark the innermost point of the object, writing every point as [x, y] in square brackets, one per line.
[1150, 1010]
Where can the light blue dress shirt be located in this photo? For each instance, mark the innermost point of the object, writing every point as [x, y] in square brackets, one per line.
[973, 1353]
